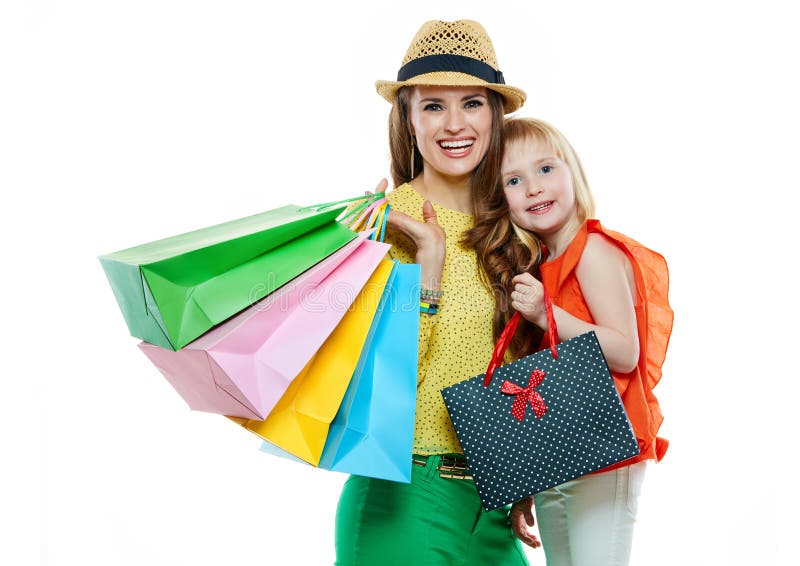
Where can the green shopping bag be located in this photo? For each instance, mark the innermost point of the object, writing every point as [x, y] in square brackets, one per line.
[173, 290]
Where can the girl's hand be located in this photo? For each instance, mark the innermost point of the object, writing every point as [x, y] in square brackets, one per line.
[528, 298]
[521, 517]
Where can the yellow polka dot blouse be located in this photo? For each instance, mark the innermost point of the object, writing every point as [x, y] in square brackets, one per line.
[456, 343]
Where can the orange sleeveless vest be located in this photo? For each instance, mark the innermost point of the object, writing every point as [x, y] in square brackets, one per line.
[654, 320]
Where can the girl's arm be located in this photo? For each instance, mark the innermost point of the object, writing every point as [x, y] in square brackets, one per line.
[606, 279]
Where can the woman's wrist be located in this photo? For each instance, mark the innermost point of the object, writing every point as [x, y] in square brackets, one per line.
[429, 300]
[431, 268]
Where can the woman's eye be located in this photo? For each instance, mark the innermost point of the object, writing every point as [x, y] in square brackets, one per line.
[433, 106]
[545, 169]
[513, 182]
[473, 104]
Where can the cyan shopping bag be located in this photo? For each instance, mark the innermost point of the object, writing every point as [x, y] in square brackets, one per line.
[541, 420]
[373, 432]
[173, 290]
[243, 366]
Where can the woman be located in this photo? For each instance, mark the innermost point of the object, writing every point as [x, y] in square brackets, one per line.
[445, 131]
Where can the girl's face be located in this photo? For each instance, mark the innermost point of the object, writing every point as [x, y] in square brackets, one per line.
[538, 187]
[452, 126]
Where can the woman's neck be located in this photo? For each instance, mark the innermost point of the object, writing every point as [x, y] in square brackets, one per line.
[454, 193]
[557, 242]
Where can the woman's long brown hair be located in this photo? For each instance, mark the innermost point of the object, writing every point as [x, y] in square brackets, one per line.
[501, 256]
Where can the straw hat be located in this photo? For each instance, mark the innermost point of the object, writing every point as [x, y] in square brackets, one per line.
[456, 53]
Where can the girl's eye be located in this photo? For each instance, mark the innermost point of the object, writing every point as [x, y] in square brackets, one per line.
[473, 104]
[433, 106]
[513, 182]
[545, 169]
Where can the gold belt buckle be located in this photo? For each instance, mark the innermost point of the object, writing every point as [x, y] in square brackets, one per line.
[454, 467]
[419, 460]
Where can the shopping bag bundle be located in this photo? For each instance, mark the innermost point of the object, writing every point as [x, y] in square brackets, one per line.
[372, 432]
[243, 366]
[357, 415]
[289, 322]
[539, 421]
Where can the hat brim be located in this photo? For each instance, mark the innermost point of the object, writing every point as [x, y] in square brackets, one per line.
[513, 97]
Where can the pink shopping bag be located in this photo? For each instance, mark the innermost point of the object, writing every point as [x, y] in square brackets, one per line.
[242, 367]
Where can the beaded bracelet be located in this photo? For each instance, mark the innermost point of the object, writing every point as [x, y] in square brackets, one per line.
[430, 294]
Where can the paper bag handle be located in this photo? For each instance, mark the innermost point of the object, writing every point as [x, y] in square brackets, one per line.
[371, 213]
[325, 205]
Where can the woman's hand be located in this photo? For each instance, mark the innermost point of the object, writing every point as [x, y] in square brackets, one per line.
[430, 240]
[382, 185]
[522, 521]
[528, 298]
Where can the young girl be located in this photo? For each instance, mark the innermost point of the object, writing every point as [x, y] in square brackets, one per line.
[597, 280]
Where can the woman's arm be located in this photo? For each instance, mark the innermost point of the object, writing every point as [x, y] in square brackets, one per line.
[429, 238]
[429, 241]
[606, 279]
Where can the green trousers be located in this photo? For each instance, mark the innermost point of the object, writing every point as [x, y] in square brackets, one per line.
[432, 521]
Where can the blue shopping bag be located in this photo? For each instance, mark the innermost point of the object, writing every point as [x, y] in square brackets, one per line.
[372, 434]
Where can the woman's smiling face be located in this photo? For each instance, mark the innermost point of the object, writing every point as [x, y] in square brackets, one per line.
[452, 127]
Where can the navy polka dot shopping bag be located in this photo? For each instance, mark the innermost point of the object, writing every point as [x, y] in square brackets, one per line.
[540, 421]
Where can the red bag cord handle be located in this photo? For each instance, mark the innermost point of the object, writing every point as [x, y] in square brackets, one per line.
[501, 347]
[552, 329]
[508, 333]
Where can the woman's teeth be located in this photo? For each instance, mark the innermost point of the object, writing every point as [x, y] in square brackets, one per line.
[459, 146]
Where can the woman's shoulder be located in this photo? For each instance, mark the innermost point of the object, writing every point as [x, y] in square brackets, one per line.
[404, 197]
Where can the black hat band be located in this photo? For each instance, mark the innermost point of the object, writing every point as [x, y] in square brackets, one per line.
[450, 63]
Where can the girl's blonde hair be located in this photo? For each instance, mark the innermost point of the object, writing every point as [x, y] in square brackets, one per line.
[505, 249]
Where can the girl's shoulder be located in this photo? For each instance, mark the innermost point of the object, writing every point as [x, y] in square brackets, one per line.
[601, 254]
[603, 247]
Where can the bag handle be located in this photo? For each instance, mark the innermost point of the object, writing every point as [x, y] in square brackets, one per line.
[325, 205]
[508, 333]
[370, 213]
[377, 220]
[358, 210]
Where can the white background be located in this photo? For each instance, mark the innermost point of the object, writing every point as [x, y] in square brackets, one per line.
[122, 122]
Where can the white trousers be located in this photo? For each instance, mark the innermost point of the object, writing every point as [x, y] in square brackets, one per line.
[589, 521]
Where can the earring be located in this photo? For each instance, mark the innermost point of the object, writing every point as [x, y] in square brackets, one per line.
[413, 151]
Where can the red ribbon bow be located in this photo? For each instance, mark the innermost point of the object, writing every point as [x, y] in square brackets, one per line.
[525, 395]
